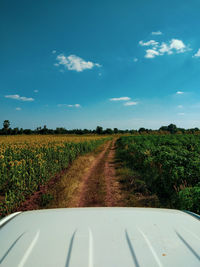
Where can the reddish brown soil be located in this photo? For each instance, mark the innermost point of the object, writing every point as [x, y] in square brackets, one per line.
[113, 194]
[99, 186]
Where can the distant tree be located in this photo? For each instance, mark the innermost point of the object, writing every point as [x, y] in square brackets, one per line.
[133, 131]
[60, 130]
[141, 130]
[21, 131]
[116, 131]
[172, 128]
[86, 131]
[15, 131]
[108, 131]
[44, 130]
[6, 124]
[27, 131]
[163, 128]
[99, 130]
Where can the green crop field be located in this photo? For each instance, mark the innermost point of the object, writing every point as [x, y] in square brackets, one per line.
[166, 165]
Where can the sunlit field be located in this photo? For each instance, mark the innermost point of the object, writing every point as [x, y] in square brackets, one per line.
[26, 162]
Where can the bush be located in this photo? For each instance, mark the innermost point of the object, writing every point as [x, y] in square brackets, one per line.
[189, 199]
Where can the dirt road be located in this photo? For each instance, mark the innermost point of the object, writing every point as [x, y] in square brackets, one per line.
[99, 186]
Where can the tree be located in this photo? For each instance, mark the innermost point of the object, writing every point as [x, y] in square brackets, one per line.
[6, 124]
[163, 128]
[99, 130]
[172, 128]
[142, 129]
[108, 131]
[116, 131]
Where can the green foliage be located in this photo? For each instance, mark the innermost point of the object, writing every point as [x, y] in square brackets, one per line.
[166, 163]
[189, 199]
[6, 124]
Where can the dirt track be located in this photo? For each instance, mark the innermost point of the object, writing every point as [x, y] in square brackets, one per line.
[99, 186]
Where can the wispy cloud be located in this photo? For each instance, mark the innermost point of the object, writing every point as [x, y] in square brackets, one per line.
[179, 93]
[35, 91]
[21, 98]
[197, 53]
[53, 52]
[69, 105]
[130, 103]
[157, 33]
[149, 43]
[180, 106]
[75, 63]
[18, 108]
[135, 59]
[174, 46]
[74, 106]
[123, 98]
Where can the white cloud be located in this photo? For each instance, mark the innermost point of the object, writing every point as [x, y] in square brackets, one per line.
[54, 51]
[135, 59]
[157, 33]
[164, 48]
[178, 45]
[124, 98]
[130, 103]
[21, 98]
[69, 105]
[197, 53]
[179, 92]
[151, 42]
[151, 53]
[18, 108]
[74, 106]
[36, 91]
[74, 62]
[180, 106]
[159, 49]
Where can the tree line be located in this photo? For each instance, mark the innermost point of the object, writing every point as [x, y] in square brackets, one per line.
[171, 129]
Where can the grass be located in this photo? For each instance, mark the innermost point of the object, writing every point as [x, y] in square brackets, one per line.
[134, 189]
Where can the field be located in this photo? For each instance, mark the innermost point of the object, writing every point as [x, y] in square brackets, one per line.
[140, 170]
[166, 166]
[27, 162]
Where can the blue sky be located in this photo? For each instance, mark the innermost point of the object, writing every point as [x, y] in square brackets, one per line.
[79, 64]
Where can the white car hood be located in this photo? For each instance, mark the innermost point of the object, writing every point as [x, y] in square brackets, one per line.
[100, 237]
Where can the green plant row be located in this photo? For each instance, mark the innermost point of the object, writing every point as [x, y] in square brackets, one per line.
[168, 164]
